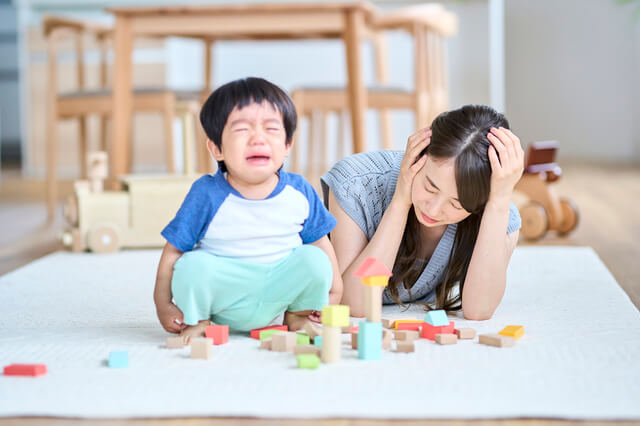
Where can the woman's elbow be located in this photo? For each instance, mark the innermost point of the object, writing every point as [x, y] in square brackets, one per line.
[477, 315]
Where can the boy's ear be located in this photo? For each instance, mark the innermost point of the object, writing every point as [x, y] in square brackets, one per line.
[214, 151]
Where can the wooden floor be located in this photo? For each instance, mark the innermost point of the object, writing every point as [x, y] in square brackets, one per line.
[608, 198]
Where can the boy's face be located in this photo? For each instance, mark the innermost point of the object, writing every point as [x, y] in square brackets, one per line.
[253, 144]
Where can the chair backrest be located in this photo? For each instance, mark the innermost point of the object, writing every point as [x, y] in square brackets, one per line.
[56, 29]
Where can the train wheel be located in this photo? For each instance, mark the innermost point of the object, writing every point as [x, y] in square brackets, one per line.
[535, 222]
[104, 239]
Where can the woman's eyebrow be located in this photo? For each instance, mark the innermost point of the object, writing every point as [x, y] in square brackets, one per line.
[435, 186]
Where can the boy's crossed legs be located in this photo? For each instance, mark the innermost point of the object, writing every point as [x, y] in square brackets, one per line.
[248, 295]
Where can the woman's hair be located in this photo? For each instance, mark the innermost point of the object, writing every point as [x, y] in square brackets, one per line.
[460, 134]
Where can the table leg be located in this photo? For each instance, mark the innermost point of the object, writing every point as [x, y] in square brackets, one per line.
[355, 83]
[122, 101]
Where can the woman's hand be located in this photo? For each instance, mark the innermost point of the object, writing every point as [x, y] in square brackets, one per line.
[507, 163]
[170, 317]
[411, 164]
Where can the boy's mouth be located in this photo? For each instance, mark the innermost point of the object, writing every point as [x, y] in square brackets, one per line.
[258, 159]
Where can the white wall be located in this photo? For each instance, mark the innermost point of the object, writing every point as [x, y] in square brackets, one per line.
[573, 75]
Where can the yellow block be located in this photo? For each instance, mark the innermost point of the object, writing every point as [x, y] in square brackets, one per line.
[335, 315]
[376, 281]
[515, 331]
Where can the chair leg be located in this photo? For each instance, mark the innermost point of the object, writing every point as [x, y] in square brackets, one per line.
[169, 115]
[188, 142]
[52, 161]
[102, 143]
[82, 145]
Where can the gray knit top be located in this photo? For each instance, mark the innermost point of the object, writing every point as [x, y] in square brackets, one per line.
[363, 185]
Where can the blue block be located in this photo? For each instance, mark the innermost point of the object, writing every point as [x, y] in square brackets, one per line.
[369, 340]
[317, 341]
[437, 318]
[118, 359]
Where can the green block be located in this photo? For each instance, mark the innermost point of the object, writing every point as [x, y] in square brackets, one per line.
[268, 333]
[303, 339]
[309, 361]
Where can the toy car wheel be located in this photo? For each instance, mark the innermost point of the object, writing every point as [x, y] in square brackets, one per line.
[570, 216]
[104, 239]
[535, 221]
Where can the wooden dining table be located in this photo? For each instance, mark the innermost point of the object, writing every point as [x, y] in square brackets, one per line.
[348, 21]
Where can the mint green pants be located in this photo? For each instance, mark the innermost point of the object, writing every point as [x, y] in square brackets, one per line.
[247, 295]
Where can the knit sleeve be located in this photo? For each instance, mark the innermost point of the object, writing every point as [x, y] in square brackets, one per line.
[515, 222]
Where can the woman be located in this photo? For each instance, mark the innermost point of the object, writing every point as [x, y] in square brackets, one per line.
[439, 216]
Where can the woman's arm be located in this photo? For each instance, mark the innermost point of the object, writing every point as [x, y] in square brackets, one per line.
[487, 274]
[350, 242]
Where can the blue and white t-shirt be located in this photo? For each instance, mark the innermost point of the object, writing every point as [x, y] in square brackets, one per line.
[217, 218]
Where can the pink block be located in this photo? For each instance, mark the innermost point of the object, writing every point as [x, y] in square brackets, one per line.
[219, 333]
[25, 370]
[429, 331]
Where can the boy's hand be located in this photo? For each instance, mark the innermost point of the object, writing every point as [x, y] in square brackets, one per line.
[315, 316]
[171, 318]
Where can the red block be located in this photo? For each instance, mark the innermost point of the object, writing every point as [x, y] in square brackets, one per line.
[354, 329]
[25, 370]
[415, 326]
[255, 334]
[218, 332]
[429, 331]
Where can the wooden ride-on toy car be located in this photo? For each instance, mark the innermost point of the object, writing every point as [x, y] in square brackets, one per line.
[544, 211]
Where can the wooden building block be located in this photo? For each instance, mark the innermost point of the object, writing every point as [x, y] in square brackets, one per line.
[176, 342]
[267, 334]
[386, 339]
[311, 329]
[309, 361]
[347, 328]
[515, 331]
[373, 303]
[284, 341]
[446, 339]
[496, 340]
[406, 335]
[331, 342]
[118, 359]
[370, 340]
[266, 344]
[465, 333]
[335, 316]
[255, 333]
[302, 339]
[437, 318]
[408, 325]
[388, 322]
[201, 348]
[354, 341]
[405, 346]
[429, 331]
[32, 370]
[307, 349]
[218, 332]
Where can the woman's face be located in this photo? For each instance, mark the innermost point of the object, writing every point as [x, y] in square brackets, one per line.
[435, 196]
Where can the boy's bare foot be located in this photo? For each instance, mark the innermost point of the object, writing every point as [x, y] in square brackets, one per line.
[192, 331]
[296, 320]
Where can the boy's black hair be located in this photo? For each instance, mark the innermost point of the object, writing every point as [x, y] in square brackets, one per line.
[240, 93]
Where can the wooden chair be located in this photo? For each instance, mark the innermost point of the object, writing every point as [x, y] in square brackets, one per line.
[428, 25]
[82, 102]
[544, 210]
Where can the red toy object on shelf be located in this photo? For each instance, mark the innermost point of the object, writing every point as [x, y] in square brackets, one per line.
[25, 370]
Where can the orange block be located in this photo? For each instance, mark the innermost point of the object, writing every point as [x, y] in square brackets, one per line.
[409, 325]
[515, 331]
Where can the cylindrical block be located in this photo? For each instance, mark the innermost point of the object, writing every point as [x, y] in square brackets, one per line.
[331, 342]
[373, 303]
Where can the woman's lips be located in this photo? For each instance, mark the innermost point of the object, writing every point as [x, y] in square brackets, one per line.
[427, 218]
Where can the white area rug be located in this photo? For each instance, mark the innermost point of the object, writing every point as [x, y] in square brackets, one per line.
[579, 358]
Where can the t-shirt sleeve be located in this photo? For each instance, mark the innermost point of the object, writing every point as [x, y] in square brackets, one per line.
[192, 219]
[515, 222]
[319, 222]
